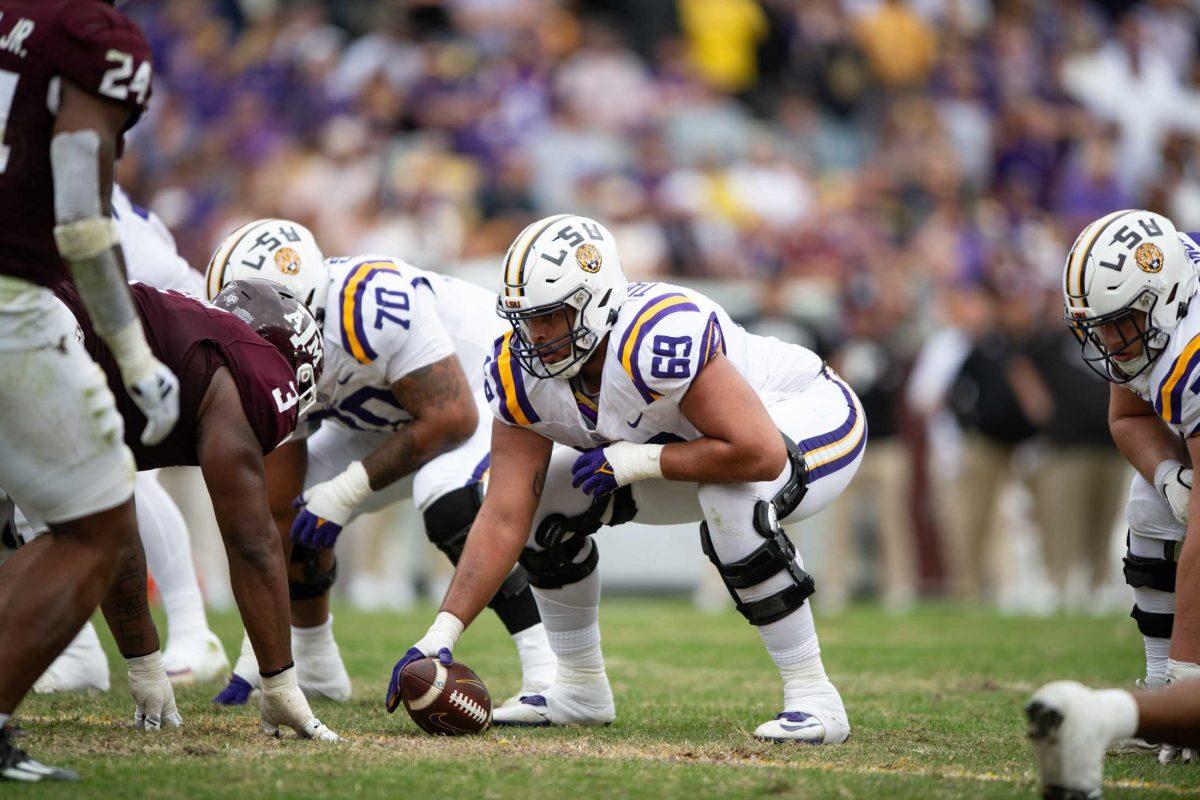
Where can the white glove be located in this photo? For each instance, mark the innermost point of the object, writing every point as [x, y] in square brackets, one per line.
[1174, 482]
[152, 386]
[283, 703]
[1179, 671]
[153, 697]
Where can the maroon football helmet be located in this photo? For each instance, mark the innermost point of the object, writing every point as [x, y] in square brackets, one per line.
[282, 319]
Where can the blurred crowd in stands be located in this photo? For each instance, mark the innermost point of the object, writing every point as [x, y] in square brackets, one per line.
[922, 165]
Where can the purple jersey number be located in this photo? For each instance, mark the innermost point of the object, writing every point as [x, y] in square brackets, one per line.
[671, 357]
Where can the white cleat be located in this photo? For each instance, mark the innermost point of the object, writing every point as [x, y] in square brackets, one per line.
[528, 689]
[561, 704]
[1071, 727]
[82, 667]
[323, 674]
[819, 718]
[198, 660]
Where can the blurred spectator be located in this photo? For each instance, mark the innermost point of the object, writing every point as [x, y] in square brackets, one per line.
[899, 44]
[1081, 482]
[985, 402]
[872, 359]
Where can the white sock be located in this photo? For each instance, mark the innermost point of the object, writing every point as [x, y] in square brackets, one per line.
[1157, 653]
[314, 639]
[571, 616]
[538, 663]
[247, 663]
[793, 646]
[169, 558]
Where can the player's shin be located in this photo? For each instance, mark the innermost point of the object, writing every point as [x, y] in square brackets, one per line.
[766, 578]
[567, 588]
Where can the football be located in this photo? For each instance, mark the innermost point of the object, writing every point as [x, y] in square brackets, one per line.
[445, 700]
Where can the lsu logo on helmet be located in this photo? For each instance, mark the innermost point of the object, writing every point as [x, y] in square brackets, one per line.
[1149, 257]
[588, 257]
[288, 261]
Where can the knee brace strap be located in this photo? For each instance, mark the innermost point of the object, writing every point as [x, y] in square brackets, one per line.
[316, 581]
[555, 567]
[1144, 572]
[776, 555]
[1153, 624]
[791, 493]
[449, 519]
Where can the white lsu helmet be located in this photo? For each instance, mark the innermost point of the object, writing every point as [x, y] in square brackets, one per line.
[278, 250]
[1127, 261]
[563, 261]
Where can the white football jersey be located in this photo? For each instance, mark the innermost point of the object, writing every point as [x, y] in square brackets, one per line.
[385, 319]
[1172, 384]
[149, 248]
[664, 335]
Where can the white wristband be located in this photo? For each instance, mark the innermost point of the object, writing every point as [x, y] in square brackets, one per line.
[86, 238]
[634, 462]
[147, 667]
[444, 632]
[351, 487]
[282, 682]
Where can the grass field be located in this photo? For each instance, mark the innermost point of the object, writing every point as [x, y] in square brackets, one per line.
[934, 700]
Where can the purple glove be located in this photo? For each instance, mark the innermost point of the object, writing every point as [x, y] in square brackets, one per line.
[236, 693]
[593, 473]
[393, 693]
[312, 531]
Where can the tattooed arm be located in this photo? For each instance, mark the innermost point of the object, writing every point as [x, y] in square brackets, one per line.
[444, 416]
[520, 458]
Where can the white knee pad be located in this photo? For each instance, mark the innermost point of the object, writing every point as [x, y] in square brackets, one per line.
[1149, 514]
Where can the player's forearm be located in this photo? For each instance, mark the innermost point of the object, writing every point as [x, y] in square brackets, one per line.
[86, 237]
[259, 579]
[407, 450]
[492, 549]
[708, 460]
[125, 607]
[1185, 633]
[1146, 442]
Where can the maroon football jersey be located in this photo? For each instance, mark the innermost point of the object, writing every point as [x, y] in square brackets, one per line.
[196, 339]
[42, 43]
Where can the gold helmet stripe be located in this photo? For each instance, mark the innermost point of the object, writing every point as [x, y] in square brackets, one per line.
[220, 259]
[1078, 265]
[519, 283]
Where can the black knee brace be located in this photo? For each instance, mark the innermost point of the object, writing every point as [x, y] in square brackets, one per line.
[449, 519]
[777, 554]
[316, 581]
[1153, 624]
[561, 539]
[1146, 572]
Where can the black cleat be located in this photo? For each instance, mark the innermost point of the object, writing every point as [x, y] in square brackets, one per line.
[15, 765]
